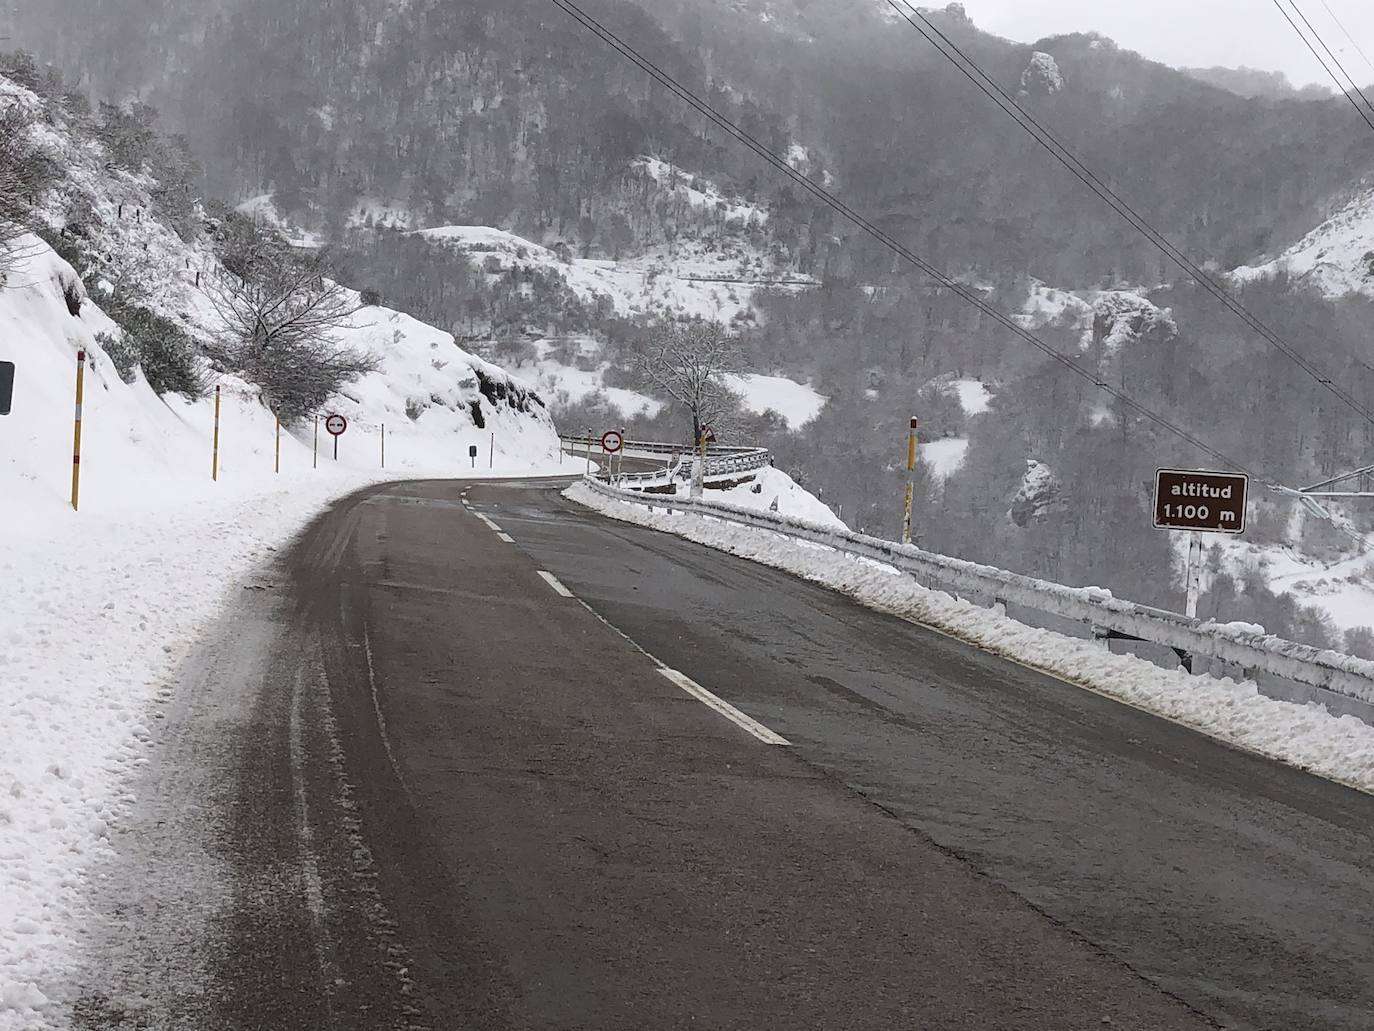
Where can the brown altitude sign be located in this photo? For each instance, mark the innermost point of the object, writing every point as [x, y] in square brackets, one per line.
[1192, 499]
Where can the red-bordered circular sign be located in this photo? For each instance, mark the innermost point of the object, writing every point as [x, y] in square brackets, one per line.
[612, 441]
[336, 425]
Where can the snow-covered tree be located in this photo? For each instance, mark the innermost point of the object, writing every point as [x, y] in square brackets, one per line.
[279, 332]
[26, 173]
[688, 362]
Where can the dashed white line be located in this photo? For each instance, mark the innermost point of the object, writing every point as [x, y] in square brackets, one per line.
[505, 537]
[740, 719]
[553, 582]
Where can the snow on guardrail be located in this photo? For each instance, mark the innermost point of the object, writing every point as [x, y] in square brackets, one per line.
[1236, 645]
[720, 460]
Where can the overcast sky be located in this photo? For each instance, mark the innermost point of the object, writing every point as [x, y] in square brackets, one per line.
[1197, 33]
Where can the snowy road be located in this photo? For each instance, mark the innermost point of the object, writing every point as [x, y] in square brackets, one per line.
[415, 782]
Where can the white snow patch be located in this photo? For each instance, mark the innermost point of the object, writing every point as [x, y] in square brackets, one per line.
[974, 395]
[943, 457]
[792, 500]
[797, 403]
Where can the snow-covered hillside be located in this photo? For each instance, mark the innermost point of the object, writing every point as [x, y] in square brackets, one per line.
[1336, 258]
[693, 278]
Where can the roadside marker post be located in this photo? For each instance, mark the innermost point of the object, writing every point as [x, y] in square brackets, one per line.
[214, 447]
[491, 455]
[315, 460]
[910, 480]
[277, 461]
[383, 445]
[76, 431]
[589, 450]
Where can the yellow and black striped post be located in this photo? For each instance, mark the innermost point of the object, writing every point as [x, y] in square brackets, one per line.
[214, 456]
[910, 481]
[76, 432]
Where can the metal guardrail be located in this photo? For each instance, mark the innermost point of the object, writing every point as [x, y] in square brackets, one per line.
[720, 460]
[1228, 646]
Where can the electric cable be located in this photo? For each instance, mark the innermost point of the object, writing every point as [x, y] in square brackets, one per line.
[989, 87]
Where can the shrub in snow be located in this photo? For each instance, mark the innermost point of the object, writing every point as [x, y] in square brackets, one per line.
[170, 360]
[121, 354]
[370, 298]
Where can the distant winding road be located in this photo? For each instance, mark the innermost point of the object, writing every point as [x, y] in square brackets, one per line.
[470, 756]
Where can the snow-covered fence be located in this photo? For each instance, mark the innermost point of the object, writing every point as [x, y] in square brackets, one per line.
[720, 460]
[1221, 647]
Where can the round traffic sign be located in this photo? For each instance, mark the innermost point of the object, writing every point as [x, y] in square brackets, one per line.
[336, 424]
[612, 441]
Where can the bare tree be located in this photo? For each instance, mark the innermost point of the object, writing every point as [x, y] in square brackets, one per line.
[280, 331]
[26, 174]
[689, 361]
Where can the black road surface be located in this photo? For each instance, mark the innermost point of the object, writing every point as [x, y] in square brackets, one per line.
[413, 784]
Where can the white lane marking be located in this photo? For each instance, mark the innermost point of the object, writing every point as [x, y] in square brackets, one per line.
[490, 524]
[505, 537]
[742, 720]
[553, 582]
[746, 722]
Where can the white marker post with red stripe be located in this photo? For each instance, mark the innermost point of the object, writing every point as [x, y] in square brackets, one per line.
[76, 433]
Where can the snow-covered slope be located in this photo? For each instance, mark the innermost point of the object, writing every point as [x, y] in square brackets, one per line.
[1336, 258]
[690, 279]
[773, 490]
[797, 403]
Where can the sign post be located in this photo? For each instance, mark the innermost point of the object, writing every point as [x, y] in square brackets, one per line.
[336, 426]
[612, 441]
[472, 454]
[1200, 502]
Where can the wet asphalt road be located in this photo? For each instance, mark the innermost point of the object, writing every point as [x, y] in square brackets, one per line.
[440, 794]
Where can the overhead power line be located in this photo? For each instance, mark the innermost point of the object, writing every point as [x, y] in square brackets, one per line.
[1341, 25]
[948, 282]
[989, 87]
[1347, 86]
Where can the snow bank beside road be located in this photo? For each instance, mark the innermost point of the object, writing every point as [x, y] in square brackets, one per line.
[1305, 736]
[94, 620]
